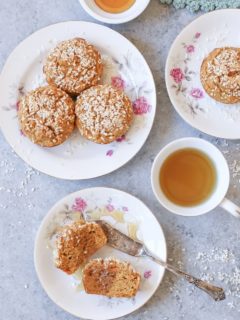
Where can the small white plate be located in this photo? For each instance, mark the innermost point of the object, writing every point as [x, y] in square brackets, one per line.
[125, 68]
[114, 18]
[213, 30]
[126, 213]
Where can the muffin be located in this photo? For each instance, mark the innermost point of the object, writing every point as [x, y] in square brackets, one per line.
[73, 66]
[76, 243]
[103, 114]
[46, 116]
[111, 278]
[220, 75]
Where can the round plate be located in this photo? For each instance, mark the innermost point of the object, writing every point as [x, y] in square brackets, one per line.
[124, 69]
[127, 214]
[213, 30]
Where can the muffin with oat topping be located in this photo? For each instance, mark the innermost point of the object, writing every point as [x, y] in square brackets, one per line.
[103, 113]
[220, 75]
[111, 277]
[76, 243]
[46, 116]
[73, 66]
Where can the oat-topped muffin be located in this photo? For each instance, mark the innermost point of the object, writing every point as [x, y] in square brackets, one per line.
[220, 74]
[73, 66]
[46, 116]
[76, 243]
[103, 114]
[111, 278]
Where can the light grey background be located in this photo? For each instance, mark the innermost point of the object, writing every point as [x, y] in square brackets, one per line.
[206, 246]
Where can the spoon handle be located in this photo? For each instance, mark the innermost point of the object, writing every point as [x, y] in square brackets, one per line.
[216, 293]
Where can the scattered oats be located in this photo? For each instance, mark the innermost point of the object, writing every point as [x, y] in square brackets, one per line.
[235, 169]
[230, 279]
[231, 305]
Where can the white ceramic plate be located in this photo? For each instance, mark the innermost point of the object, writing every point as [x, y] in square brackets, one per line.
[127, 214]
[125, 68]
[114, 18]
[212, 30]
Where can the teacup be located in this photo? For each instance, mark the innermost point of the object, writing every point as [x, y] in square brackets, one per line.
[216, 198]
[114, 18]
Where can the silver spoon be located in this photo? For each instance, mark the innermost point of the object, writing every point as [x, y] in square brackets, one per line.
[120, 241]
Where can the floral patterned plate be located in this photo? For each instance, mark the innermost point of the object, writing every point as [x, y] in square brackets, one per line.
[126, 213]
[193, 44]
[125, 68]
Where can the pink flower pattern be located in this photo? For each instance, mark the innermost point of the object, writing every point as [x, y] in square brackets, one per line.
[17, 105]
[109, 153]
[177, 75]
[141, 106]
[196, 93]
[147, 274]
[190, 48]
[125, 209]
[182, 75]
[121, 139]
[118, 83]
[110, 207]
[197, 35]
[79, 205]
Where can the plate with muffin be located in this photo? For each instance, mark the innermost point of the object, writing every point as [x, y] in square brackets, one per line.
[77, 268]
[203, 74]
[75, 94]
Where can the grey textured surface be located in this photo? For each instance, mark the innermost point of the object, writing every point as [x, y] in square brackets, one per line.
[206, 245]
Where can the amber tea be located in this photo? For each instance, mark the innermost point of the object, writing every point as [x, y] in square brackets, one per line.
[188, 177]
[114, 6]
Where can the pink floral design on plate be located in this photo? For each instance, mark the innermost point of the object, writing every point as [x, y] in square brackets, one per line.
[190, 48]
[177, 75]
[141, 106]
[147, 274]
[196, 93]
[79, 205]
[125, 209]
[109, 153]
[110, 207]
[197, 35]
[17, 105]
[121, 139]
[118, 83]
[182, 75]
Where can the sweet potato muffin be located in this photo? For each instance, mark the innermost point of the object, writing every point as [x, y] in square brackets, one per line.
[103, 113]
[73, 66]
[220, 75]
[111, 278]
[46, 116]
[76, 243]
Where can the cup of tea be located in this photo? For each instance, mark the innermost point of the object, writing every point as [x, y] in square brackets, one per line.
[114, 11]
[190, 177]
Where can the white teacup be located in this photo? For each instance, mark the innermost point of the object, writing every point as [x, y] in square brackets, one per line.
[222, 182]
[114, 18]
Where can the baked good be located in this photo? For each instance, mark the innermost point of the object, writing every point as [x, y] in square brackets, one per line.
[103, 113]
[46, 116]
[76, 243]
[111, 278]
[220, 74]
[73, 65]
